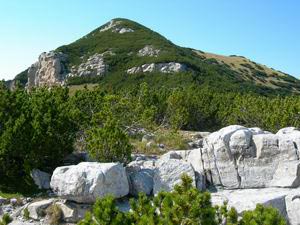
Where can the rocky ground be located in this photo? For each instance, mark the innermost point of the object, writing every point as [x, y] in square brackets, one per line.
[243, 166]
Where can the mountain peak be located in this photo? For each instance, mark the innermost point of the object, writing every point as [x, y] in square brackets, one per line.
[123, 53]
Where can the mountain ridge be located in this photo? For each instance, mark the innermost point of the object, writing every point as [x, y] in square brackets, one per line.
[121, 47]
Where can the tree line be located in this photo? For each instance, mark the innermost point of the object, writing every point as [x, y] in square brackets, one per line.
[40, 127]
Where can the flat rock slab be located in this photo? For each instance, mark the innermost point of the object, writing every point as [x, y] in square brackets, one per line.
[284, 199]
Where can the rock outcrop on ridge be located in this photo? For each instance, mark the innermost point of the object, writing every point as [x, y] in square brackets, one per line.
[138, 49]
[171, 67]
[49, 71]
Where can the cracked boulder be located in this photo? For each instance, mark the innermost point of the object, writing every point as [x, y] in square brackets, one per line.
[168, 173]
[87, 181]
[239, 157]
[140, 176]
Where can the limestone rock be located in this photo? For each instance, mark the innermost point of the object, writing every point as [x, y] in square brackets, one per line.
[148, 137]
[256, 173]
[49, 71]
[168, 173]
[288, 148]
[141, 181]
[292, 201]
[239, 157]
[256, 130]
[172, 155]
[218, 158]
[247, 199]
[292, 134]
[111, 24]
[37, 209]
[41, 179]
[122, 30]
[148, 50]
[87, 181]
[140, 175]
[93, 66]
[115, 26]
[286, 130]
[171, 67]
[72, 212]
[287, 175]
[267, 145]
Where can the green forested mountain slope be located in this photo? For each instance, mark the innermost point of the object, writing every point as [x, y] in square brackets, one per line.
[120, 41]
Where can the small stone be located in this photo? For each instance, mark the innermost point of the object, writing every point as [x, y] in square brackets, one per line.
[161, 145]
[13, 201]
[3, 200]
[149, 144]
[148, 137]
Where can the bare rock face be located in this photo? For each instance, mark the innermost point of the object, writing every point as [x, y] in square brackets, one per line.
[171, 67]
[111, 24]
[148, 50]
[93, 66]
[116, 27]
[49, 71]
[239, 157]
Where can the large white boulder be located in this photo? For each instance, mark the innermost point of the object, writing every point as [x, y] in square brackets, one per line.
[286, 130]
[239, 157]
[90, 180]
[168, 173]
[220, 160]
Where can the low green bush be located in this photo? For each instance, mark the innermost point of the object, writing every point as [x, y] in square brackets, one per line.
[6, 219]
[108, 143]
[54, 214]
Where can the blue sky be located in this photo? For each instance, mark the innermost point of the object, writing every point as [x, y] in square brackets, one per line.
[266, 31]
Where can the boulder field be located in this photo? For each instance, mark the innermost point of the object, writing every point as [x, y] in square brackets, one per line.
[243, 166]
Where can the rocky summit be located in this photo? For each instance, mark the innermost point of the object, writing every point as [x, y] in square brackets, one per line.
[239, 165]
[123, 50]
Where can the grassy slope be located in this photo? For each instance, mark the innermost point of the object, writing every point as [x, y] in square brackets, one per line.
[250, 70]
